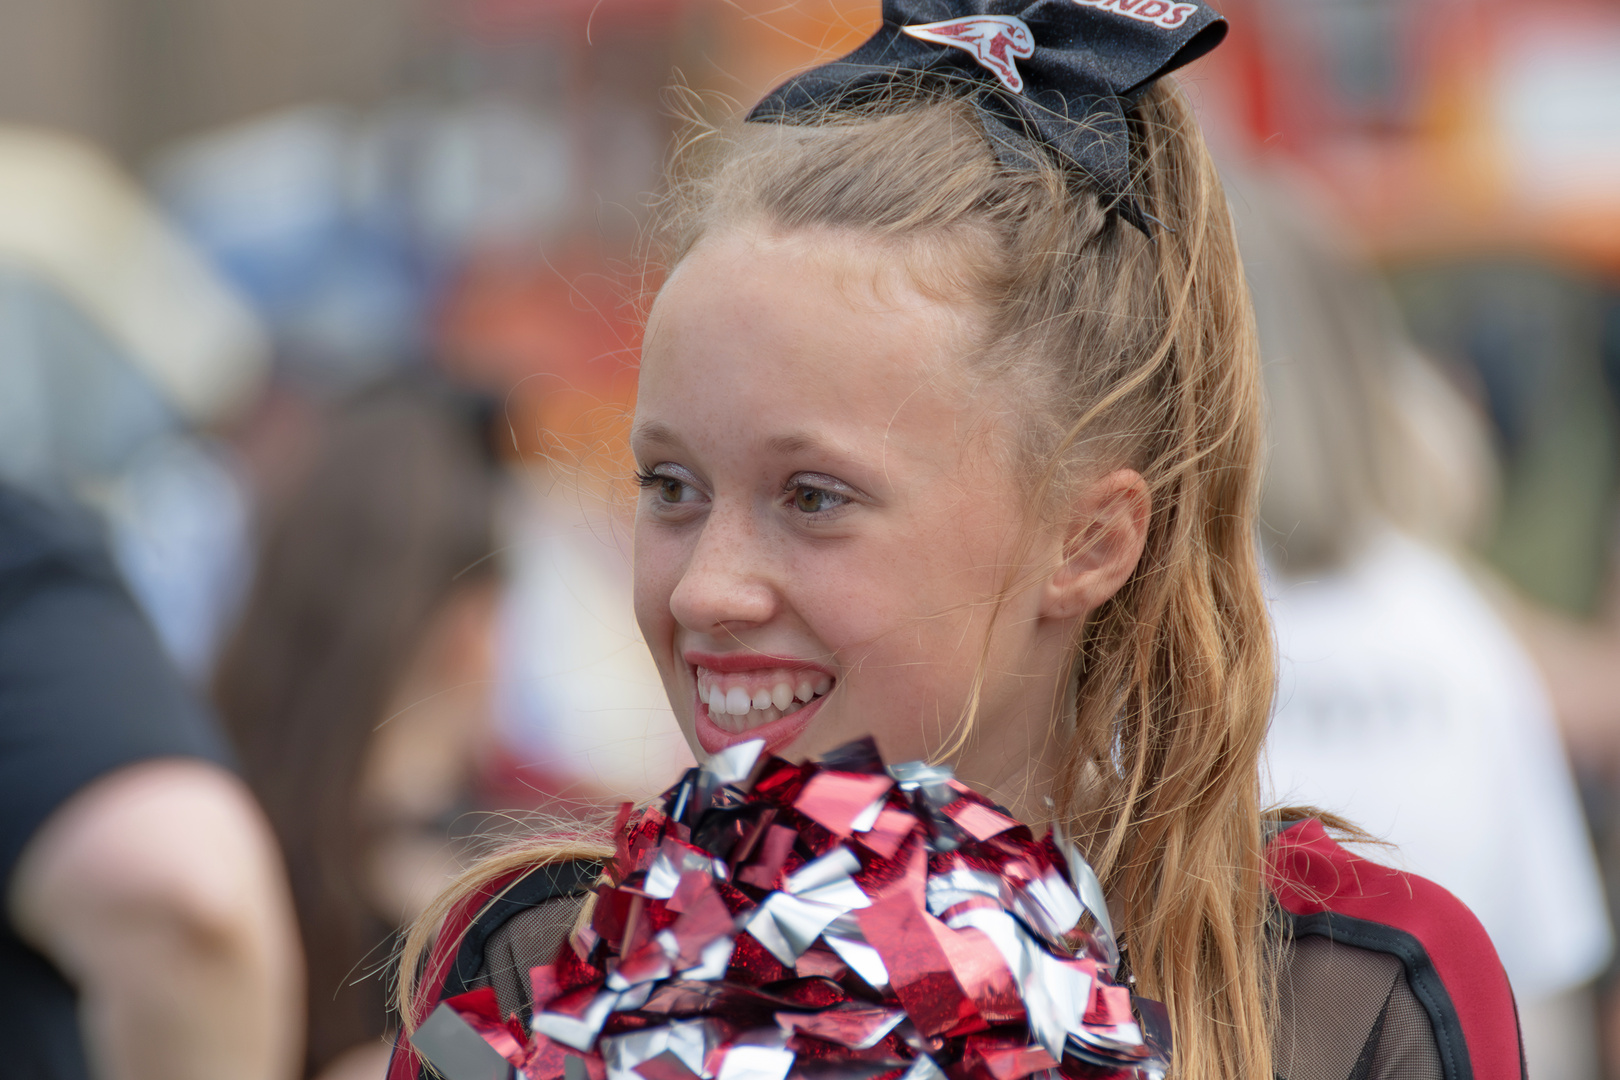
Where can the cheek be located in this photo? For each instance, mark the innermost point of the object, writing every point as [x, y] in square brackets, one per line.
[936, 590]
[901, 611]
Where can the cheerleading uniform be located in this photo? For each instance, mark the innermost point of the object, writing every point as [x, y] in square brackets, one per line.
[1382, 975]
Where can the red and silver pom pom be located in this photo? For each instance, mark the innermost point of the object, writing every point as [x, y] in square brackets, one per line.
[836, 919]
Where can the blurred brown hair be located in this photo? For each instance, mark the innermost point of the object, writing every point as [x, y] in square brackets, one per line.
[392, 516]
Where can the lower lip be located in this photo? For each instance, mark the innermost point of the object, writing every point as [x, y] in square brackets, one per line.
[778, 734]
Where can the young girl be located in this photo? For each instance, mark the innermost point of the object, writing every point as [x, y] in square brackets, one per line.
[949, 432]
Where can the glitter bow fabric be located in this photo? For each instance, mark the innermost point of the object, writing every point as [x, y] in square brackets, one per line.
[1060, 73]
[770, 921]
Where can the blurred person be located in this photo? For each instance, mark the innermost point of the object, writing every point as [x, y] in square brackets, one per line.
[1405, 702]
[355, 687]
[1576, 645]
[148, 933]
[102, 301]
[344, 228]
[120, 351]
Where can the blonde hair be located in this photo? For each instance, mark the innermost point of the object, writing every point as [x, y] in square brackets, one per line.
[1113, 346]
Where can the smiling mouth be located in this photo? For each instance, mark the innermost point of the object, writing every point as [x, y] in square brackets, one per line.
[739, 702]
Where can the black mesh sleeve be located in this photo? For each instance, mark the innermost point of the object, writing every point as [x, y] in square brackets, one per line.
[1346, 1013]
[525, 941]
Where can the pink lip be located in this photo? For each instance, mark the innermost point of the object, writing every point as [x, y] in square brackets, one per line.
[778, 734]
[733, 662]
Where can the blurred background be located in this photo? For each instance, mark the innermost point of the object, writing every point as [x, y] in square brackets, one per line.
[330, 309]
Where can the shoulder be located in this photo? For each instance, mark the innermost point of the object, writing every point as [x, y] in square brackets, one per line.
[492, 937]
[1447, 962]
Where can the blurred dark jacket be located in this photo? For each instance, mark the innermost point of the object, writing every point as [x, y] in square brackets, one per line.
[85, 688]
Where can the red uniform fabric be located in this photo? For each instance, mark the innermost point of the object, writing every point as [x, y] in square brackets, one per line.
[1450, 962]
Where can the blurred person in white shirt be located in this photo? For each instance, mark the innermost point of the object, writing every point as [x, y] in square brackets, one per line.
[1405, 703]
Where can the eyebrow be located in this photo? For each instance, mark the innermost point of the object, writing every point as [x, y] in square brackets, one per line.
[655, 431]
[796, 443]
[799, 442]
[660, 433]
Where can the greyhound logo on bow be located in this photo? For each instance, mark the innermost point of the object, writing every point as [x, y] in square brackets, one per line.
[993, 40]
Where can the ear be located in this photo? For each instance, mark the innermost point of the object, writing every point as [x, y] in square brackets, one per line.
[1107, 530]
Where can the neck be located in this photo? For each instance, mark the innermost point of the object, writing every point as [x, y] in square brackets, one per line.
[1022, 782]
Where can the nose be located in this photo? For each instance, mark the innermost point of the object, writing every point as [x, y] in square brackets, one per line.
[727, 583]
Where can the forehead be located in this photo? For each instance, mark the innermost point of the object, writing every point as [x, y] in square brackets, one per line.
[817, 321]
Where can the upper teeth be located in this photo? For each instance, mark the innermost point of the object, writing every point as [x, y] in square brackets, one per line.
[738, 707]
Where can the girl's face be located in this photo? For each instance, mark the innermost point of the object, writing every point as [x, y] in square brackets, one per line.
[828, 516]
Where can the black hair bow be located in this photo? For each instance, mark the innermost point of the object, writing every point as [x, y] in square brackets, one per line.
[1054, 72]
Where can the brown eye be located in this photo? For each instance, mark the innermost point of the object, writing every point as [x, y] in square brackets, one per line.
[669, 488]
[809, 500]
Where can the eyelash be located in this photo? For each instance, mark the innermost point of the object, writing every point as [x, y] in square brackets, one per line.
[792, 488]
[647, 479]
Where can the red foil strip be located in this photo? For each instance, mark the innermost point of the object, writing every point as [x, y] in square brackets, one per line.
[546, 1060]
[835, 799]
[1110, 1006]
[999, 1058]
[857, 1027]
[978, 820]
[766, 871]
[703, 919]
[884, 838]
[481, 1012]
[919, 968]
